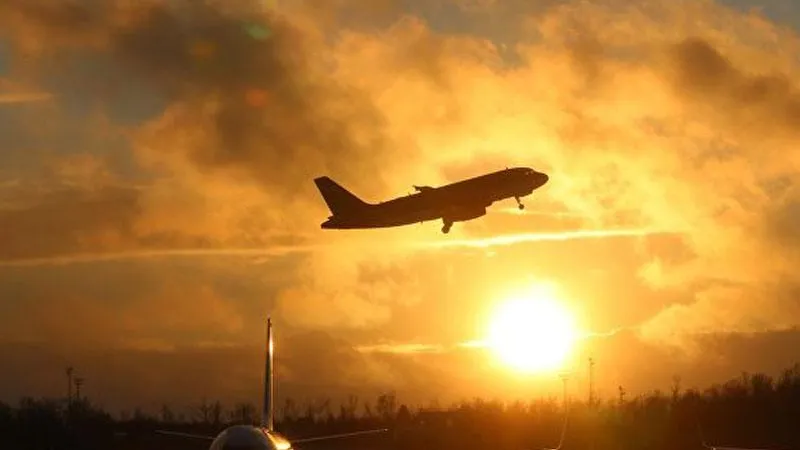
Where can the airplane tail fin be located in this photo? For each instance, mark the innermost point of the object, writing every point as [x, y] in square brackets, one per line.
[340, 201]
[268, 411]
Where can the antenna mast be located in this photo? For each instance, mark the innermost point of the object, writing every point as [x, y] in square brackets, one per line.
[564, 377]
[78, 383]
[591, 382]
[69, 386]
[593, 426]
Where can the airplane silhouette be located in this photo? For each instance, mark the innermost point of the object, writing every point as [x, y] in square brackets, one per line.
[456, 202]
[263, 437]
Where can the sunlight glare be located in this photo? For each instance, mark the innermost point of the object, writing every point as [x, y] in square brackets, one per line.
[532, 332]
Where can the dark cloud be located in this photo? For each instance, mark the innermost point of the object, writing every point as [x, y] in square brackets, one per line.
[69, 221]
[201, 56]
[758, 101]
[109, 219]
[782, 224]
[701, 68]
[42, 26]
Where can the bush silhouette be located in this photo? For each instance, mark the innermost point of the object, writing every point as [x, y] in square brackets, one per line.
[753, 410]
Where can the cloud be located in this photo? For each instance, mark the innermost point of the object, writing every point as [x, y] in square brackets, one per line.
[255, 254]
[400, 348]
[22, 97]
[11, 92]
[755, 104]
[540, 237]
[341, 288]
[154, 316]
[68, 220]
[725, 309]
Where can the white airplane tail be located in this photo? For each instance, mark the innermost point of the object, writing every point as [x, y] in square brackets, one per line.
[268, 410]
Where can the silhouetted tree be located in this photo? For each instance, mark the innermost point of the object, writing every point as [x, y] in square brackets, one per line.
[243, 413]
[166, 414]
[385, 405]
[289, 409]
[752, 410]
[216, 412]
[203, 412]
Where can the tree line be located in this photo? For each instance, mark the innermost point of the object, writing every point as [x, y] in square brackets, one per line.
[753, 410]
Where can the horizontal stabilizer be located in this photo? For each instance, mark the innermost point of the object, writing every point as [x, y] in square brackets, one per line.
[337, 436]
[714, 447]
[185, 435]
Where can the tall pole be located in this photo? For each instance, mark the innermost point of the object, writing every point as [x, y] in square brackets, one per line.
[78, 384]
[564, 377]
[69, 386]
[591, 403]
[591, 382]
[565, 399]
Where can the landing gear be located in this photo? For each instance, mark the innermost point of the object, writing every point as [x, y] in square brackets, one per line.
[446, 226]
[519, 203]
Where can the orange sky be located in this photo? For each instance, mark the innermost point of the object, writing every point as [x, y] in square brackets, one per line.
[150, 216]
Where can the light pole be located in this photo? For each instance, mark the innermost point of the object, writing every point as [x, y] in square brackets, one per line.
[591, 382]
[69, 386]
[78, 384]
[565, 400]
[564, 377]
[592, 412]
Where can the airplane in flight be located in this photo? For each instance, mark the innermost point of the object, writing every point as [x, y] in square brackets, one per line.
[456, 202]
[263, 437]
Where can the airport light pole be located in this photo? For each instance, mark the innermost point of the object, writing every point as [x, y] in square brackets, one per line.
[592, 412]
[564, 376]
[565, 400]
[78, 383]
[591, 382]
[69, 386]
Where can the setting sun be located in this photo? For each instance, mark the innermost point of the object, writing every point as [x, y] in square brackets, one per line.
[532, 332]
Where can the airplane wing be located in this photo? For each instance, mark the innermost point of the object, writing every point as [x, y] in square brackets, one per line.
[293, 441]
[337, 436]
[716, 447]
[186, 435]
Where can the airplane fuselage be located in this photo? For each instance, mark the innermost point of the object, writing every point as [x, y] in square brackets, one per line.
[456, 202]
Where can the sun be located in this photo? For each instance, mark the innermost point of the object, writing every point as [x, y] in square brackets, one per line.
[533, 332]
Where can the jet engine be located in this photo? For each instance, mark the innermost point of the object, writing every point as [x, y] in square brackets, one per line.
[463, 214]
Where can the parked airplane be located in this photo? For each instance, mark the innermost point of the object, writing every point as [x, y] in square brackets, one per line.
[456, 202]
[263, 437]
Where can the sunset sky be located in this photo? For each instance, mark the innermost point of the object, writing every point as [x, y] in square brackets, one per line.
[156, 194]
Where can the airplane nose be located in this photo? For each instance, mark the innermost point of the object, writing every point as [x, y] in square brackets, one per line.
[539, 179]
